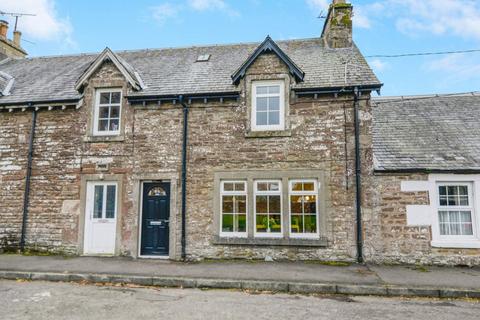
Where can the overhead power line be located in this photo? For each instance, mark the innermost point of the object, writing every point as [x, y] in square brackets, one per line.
[421, 54]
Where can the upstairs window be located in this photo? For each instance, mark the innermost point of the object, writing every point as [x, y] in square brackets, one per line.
[108, 104]
[268, 106]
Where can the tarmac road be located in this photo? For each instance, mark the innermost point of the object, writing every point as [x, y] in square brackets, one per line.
[50, 300]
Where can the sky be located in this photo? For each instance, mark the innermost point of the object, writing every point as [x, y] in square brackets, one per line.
[380, 27]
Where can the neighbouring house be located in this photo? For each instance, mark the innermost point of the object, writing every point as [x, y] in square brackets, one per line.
[251, 150]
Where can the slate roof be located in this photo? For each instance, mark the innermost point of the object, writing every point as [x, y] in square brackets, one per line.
[428, 134]
[174, 71]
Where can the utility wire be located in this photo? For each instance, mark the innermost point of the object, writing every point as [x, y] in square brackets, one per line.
[421, 54]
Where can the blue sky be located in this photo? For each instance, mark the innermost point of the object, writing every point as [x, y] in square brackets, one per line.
[380, 27]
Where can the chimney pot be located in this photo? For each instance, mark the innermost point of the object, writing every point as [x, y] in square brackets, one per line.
[3, 28]
[16, 38]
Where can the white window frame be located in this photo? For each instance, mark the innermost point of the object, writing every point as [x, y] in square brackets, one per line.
[315, 193]
[267, 193]
[233, 193]
[97, 132]
[281, 95]
[104, 185]
[446, 241]
[470, 208]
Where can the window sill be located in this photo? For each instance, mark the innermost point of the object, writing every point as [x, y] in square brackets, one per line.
[117, 138]
[322, 242]
[268, 134]
[464, 244]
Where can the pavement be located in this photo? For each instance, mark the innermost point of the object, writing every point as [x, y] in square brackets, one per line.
[293, 277]
[38, 300]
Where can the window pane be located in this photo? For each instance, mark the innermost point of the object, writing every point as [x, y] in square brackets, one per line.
[98, 202]
[103, 112]
[273, 186]
[463, 190]
[310, 223]
[262, 118]
[240, 204]
[105, 97]
[240, 186]
[274, 204]
[227, 204]
[297, 186]
[241, 223]
[262, 90]
[464, 200]
[274, 89]
[115, 97]
[274, 118]
[262, 186]
[274, 103]
[296, 204]
[103, 125]
[227, 186]
[296, 224]
[227, 222]
[261, 204]
[110, 210]
[114, 125]
[115, 112]
[309, 186]
[443, 200]
[275, 222]
[442, 190]
[444, 225]
[262, 104]
[261, 223]
[309, 204]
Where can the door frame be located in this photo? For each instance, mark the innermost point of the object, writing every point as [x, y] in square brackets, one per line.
[140, 222]
[118, 178]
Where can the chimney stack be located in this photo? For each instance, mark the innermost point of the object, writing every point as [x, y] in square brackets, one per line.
[337, 31]
[16, 38]
[10, 48]
[3, 29]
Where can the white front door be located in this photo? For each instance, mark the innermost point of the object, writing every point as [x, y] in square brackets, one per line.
[100, 218]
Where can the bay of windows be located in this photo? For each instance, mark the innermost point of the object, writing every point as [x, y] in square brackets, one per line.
[269, 215]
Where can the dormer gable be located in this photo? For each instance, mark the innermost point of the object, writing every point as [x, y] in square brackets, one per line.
[130, 74]
[268, 46]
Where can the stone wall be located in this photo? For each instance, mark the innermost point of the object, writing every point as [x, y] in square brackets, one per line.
[389, 238]
[320, 138]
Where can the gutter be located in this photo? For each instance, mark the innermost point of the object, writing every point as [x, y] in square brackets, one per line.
[344, 89]
[358, 181]
[26, 196]
[426, 171]
[184, 174]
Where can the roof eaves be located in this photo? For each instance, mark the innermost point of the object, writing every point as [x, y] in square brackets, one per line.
[268, 45]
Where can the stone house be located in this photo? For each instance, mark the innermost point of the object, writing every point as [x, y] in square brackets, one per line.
[252, 150]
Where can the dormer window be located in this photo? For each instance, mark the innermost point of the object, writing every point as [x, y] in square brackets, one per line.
[108, 104]
[268, 106]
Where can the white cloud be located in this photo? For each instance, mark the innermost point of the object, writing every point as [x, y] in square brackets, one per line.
[318, 5]
[45, 26]
[378, 65]
[165, 11]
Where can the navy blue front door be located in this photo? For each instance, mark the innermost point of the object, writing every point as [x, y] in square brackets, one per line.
[155, 219]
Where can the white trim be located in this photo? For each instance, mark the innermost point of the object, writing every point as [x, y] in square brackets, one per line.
[315, 193]
[267, 193]
[281, 95]
[97, 106]
[139, 246]
[233, 193]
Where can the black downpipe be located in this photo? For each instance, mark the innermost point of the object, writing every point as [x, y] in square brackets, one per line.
[184, 175]
[26, 196]
[358, 181]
